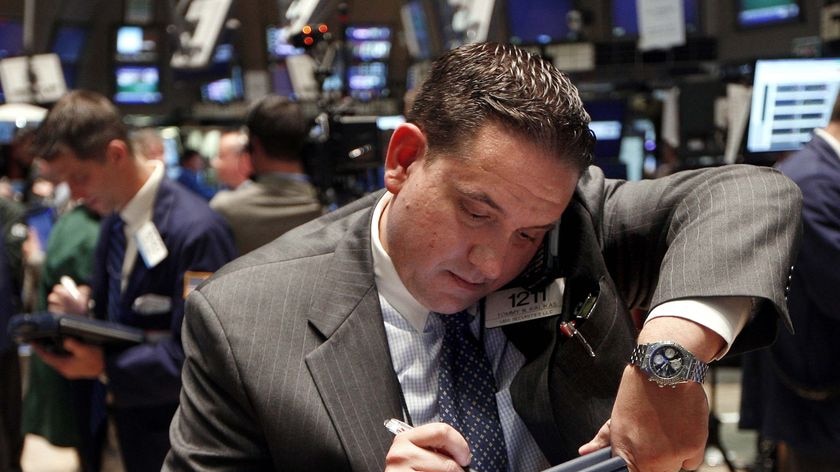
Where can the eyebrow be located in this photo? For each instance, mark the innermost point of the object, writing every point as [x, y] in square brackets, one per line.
[484, 198]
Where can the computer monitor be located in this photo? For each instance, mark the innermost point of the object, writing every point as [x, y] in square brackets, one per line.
[11, 38]
[224, 90]
[367, 80]
[69, 42]
[137, 85]
[418, 30]
[136, 44]
[625, 18]
[607, 123]
[538, 21]
[369, 43]
[790, 98]
[755, 13]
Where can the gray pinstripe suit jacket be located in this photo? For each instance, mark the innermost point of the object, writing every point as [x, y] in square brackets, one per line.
[287, 361]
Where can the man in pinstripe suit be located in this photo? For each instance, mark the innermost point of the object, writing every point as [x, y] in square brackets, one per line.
[297, 352]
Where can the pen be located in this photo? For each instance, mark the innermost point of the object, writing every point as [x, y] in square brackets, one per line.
[396, 426]
[71, 287]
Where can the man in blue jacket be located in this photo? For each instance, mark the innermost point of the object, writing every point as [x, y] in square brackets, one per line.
[158, 242]
[794, 387]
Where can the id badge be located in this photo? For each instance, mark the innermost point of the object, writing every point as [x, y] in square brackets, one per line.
[516, 305]
[150, 245]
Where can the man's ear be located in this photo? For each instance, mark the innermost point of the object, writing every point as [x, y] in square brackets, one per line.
[407, 146]
[117, 152]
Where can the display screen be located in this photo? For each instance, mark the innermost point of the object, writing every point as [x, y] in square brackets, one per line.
[538, 21]
[367, 80]
[417, 29]
[753, 13]
[277, 45]
[607, 120]
[136, 44]
[281, 81]
[369, 43]
[69, 42]
[11, 38]
[790, 98]
[224, 90]
[137, 85]
[625, 19]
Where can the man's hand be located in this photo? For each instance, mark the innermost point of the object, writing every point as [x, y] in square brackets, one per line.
[430, 447]
[60, 300]
[85, 361]
[661, 429]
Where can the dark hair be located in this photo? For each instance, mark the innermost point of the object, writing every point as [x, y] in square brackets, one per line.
[489, 82]
[187, 156]
[82, 122]
[278, 124]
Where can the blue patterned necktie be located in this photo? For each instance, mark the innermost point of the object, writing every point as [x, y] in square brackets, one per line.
[467, 394]
[113, 264]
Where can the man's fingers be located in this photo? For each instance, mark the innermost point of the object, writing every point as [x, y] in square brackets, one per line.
[600, 441]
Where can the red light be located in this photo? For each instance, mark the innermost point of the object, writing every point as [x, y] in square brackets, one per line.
[307, 29]
[308, 41]
[323, 28]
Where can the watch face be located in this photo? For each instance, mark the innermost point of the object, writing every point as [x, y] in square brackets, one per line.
[666, 361]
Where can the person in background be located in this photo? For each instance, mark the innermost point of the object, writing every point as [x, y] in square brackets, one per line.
[791, 391]
[148, 143]
[392, 306]
[12, 234]
[157, 241]
[232, 163]
[191, 174]
[281, 196]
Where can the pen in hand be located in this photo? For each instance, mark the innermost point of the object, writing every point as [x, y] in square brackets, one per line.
[396, 426]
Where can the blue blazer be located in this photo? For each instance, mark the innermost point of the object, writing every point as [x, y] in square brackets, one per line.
[807, 361]
[145, 380]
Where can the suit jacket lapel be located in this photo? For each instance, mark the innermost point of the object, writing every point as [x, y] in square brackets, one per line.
[352, 368]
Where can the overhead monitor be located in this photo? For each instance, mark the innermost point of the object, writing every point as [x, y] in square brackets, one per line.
[224, 90]
[418, 32]
[137, 85]
[538, 21]
[754, 13]
[281, 81]
[625, 21]
[135, 43]
[367, 80]
[369, 42]
[790, 98]
[607, 120]
[11, 38]
[69, 42]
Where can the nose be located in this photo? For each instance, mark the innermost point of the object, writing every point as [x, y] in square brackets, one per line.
[488, 259]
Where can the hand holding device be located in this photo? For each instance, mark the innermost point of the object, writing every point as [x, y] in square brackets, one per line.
[438, 442]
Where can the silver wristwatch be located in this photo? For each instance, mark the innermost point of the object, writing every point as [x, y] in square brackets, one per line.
[668, 364]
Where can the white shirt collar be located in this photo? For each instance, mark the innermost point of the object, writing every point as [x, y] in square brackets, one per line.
[388, 281]
[138, 210]
[831, 140]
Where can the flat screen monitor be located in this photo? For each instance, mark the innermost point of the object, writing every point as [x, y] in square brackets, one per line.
[625, 19]
[790, 98]
[538, 21]
[281, 81]
[11, 38]
[69, 43]
[137, 85]
[369, 43]
[224, 90]
[278, 45]
[136, 44]
[367, 80]
[607, 123]
[754, 13]
[417, 30]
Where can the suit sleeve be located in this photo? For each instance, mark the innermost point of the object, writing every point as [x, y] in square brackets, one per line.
[215, 428]
[150, 374]
[728, 231]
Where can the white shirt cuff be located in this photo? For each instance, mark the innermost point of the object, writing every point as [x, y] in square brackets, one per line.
[725, 316]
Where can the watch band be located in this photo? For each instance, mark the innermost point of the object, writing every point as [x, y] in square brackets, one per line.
[694, 371]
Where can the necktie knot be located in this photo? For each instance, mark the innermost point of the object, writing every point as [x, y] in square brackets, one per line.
[459, 320]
